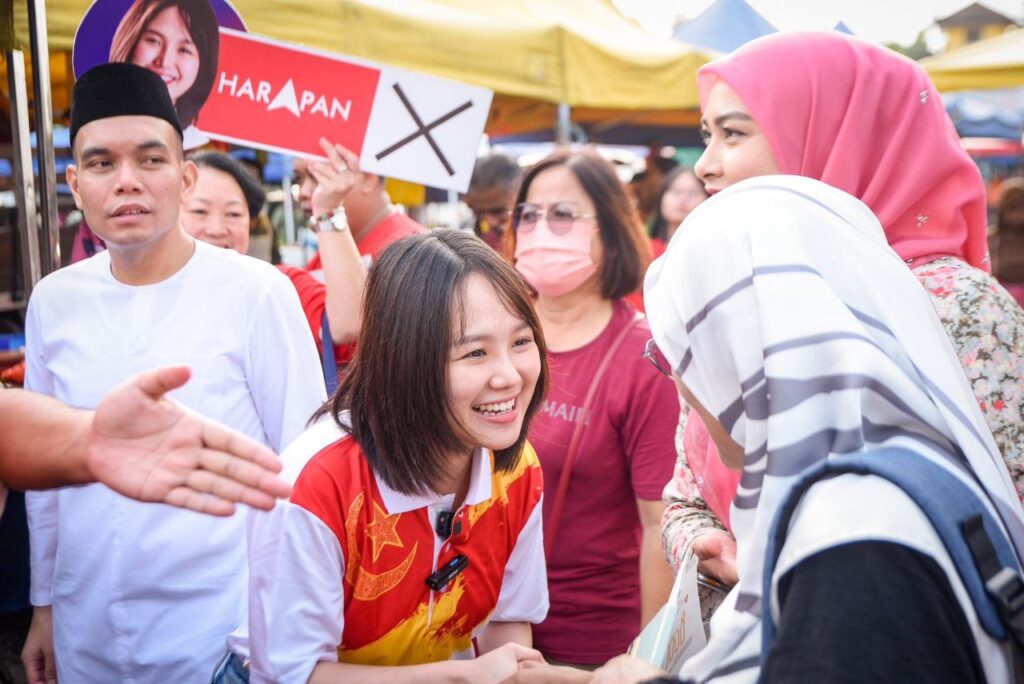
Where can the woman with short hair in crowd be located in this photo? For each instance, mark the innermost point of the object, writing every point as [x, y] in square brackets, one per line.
[412, 538]
[225, 200]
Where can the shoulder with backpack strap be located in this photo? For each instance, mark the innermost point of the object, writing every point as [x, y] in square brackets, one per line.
[977, 545]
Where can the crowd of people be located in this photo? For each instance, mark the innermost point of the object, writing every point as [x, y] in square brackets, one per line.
[499, 447]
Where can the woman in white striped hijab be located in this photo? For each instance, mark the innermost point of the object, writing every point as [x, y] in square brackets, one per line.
[800, 335]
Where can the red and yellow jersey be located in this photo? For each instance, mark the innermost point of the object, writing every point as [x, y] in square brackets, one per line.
[388, 548]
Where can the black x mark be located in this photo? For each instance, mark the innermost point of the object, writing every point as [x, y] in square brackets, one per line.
[424, 130]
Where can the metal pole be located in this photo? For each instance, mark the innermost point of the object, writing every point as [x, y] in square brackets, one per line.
[563, 134]
[289, 209]
[24, 184]
[44, 134]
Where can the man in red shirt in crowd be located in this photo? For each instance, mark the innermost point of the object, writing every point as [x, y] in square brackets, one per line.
[354, 219]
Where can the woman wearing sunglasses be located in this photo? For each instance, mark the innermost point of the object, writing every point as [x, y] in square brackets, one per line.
[604, 434]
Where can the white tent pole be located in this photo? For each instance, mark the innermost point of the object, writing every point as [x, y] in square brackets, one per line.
[563, 135]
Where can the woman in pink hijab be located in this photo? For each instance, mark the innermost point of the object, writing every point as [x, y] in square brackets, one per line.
[870, 122]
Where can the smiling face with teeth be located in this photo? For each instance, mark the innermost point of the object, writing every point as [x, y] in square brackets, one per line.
[166, 48]
[493, 368]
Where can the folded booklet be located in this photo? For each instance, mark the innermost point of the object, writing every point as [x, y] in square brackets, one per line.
[676, 633]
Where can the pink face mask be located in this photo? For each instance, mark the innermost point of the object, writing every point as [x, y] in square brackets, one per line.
[555, 264]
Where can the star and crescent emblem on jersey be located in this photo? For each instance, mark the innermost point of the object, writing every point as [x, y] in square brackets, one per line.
[382, 531]
[367, 585]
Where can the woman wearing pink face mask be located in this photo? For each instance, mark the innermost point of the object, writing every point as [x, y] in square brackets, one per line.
[870, 122]
[604, 435]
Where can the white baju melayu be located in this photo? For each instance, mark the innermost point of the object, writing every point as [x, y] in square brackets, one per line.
[145, 592]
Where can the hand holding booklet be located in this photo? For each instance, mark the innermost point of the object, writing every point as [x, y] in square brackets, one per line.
[676, 632]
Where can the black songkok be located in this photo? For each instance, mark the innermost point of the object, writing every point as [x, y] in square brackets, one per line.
[120, 89]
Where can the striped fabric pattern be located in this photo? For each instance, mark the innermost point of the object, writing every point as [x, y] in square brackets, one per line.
[789, 318]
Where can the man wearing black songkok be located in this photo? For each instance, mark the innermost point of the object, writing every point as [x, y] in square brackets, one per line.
[122, 590]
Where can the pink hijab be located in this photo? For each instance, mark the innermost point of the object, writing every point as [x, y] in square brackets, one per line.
[868, 121]
[865, 120]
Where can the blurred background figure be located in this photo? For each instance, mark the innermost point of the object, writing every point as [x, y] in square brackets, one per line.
[680, 194]
[1007, 241]
[492, 190]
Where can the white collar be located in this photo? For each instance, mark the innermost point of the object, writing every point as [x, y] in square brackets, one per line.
[479, 488]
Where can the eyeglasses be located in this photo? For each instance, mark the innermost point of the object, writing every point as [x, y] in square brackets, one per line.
[654, 355]
[560, 217]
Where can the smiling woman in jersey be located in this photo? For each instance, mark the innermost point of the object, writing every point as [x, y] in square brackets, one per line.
[178, 40]
[414, 524]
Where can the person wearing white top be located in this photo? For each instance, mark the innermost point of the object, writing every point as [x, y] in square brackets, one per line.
[125, 591]
[412, 540]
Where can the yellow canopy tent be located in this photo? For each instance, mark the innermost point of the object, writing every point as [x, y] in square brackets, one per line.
[994, 63]
[535, 54]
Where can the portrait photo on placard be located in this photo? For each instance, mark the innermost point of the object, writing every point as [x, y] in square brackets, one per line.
[176, 39]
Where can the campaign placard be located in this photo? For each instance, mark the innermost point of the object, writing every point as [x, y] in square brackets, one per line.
[402, 124]
[178, 41]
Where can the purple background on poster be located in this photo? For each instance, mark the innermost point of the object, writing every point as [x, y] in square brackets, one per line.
[92, 40]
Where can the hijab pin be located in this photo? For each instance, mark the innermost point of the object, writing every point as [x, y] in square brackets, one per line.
[924, 96]
[921, 219]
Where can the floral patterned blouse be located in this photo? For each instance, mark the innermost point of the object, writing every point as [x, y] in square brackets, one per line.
[986, 326]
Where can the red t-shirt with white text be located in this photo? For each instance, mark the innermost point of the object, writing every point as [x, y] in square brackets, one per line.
[627, 452]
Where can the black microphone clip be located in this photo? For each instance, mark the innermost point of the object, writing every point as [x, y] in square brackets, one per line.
[444, 524]
[447, 572]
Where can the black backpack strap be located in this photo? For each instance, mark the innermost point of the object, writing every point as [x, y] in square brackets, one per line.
[984, 559]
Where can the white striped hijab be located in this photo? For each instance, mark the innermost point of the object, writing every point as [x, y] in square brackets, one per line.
[785, 313]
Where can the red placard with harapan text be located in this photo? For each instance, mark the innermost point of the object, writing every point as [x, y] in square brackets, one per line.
[280, 97]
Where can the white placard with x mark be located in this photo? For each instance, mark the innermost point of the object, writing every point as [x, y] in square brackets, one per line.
[425, 129]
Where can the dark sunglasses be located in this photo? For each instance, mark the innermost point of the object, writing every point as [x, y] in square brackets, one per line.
[560, 217]
[654, 355]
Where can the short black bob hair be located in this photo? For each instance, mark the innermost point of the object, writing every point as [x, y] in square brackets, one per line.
[396, 389]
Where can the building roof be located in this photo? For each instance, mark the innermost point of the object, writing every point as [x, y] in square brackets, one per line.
[974, 14]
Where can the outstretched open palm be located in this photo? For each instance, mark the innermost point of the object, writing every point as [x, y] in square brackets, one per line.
[148, 447]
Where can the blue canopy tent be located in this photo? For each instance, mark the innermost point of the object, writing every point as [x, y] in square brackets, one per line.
[987, 113]
[843, 28]
[724, 26]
